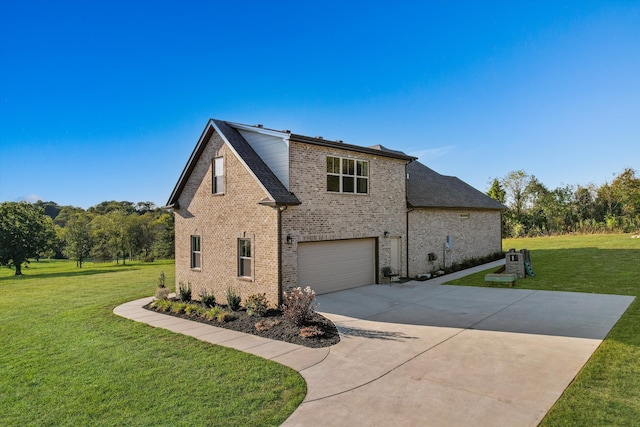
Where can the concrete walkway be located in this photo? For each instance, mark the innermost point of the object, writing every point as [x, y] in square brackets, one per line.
[422, 353]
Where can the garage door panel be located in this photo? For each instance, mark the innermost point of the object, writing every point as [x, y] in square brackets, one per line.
[336, 265]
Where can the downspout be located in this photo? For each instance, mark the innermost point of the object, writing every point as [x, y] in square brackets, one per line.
[409, 210]
[280, 209]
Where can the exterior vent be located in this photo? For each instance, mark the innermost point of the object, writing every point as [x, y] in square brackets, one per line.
[319, 137]
[259, 125]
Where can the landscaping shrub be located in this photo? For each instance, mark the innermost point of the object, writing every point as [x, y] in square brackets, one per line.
[207, 299]
[266, 324]
[178, 307]
[311, 331]
[161, 280]
[298, 305]
[185, 292]
[225, 316]
[163, 305]
[233, 299]
[212, 313]
[162, 293]
[257, 305]
[194, 310]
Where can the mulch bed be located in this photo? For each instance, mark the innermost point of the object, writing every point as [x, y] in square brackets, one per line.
[284, 330]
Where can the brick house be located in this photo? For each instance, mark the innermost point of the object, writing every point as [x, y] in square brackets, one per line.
[264, 211]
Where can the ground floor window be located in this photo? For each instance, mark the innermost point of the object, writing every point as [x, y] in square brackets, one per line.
[244, 257]
[196, 261]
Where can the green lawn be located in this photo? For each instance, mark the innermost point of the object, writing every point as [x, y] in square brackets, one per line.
[66, 359]
[607, 389]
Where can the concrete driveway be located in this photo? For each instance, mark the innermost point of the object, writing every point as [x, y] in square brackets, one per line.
[426, 354]
[422, 353]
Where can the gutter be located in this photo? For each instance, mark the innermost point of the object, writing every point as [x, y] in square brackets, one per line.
[409, 210]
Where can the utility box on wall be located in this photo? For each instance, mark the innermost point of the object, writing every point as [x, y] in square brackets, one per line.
[514, 264]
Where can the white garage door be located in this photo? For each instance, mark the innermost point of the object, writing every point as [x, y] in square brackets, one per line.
[336, 265]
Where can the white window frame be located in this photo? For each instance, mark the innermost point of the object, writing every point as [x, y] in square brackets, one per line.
[245, 259]
[348, 168]
[196, 252]
[218, 183]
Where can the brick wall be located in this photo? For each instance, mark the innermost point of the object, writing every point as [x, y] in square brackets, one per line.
[220, 220]
[325, 215]
[475, 233]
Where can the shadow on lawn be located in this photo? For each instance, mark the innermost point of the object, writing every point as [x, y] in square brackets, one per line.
[74, 273]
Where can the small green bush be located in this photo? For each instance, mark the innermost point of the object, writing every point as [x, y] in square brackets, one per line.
[212, 313]
[225, 316]
[184, 291]
[163, 305]
[207, 299]
[256, 305]
[178, 307]
[233, 299]
[194, 309]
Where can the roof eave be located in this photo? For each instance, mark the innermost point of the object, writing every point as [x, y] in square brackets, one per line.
[276, 204]
[191, 164]
[348, 147]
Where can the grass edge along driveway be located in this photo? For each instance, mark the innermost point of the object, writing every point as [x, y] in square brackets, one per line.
[607, 389]
[66, 359]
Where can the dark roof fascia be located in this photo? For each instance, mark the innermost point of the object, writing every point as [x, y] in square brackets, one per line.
[191, 164]
[348, 147]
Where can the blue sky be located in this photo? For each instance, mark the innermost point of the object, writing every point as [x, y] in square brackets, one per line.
[105, 100]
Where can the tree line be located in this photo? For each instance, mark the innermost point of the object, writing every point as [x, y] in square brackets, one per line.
[108, 231]
[535, 210]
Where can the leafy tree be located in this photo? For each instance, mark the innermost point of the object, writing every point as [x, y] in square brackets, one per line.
[144, 207]
[25, 232]
[626, 189]
[496, 192]
[164, 244]
[66, 213]
[78, 238]
[515, 184]
[51, 209]
[608, 202]
[584, 202]
[110, 234]
[104, 208]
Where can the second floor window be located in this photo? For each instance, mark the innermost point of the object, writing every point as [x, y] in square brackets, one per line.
[218, 175]
[347, 175]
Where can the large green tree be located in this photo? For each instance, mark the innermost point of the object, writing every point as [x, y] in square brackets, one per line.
[25, 232]
[78, 238]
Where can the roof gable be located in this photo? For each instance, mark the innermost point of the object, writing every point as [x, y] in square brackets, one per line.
[277, 192]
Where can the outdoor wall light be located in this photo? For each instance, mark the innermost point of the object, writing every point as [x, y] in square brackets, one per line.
[289, 239]
[386, 234]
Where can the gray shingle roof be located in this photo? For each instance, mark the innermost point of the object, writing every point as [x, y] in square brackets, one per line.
[426, 188]
[429, 189]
